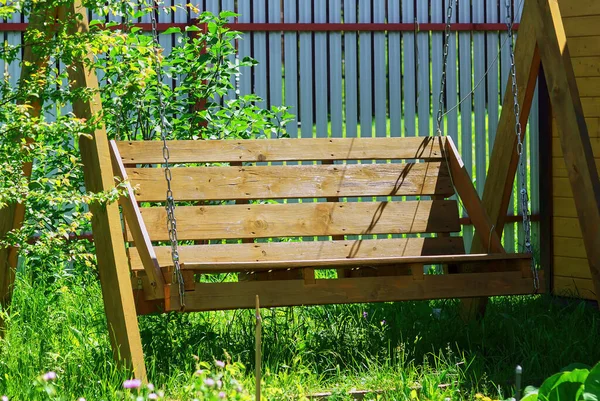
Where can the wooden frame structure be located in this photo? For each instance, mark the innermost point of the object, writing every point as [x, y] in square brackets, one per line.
[542, 41]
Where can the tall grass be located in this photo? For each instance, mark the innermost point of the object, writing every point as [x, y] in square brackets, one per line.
[57, 323]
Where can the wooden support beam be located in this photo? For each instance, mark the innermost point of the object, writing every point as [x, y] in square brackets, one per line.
[12, 216]
[504, 159]
[133, 216]
[573, 133]
[490, 240]
[113, 265]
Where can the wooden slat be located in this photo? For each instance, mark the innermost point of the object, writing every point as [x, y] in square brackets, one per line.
[262, 150]
[573, 287]
[593, 124]
[304, 219]
[571, 247]
[591, 106]
[564, 207]
[584, 46]
[588, 86]
[477, 260]
[571, 8]
[571, 267]
[567, 227]
[273, 251]
[134, 220]
[559, 169]
[587, 25]
[352, 290]
[586, 66]
[308, 181]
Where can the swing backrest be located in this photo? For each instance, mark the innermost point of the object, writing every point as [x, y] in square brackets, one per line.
[234, 191]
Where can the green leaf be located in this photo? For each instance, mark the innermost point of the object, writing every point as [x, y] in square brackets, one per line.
[135, 29]
[574, 366]
[228, 14]
[171, 30]
[566, 386]
[592, 385]
[192, 28]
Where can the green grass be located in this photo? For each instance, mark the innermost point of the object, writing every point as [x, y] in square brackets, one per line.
[57, 323]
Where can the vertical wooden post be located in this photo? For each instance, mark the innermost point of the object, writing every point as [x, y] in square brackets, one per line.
[12, 216]
[573, 133]
[113, 265]
[504, 159]
[258, 350]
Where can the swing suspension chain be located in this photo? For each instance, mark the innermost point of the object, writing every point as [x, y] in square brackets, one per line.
[523, 194]
[164, 126]
[440, 113]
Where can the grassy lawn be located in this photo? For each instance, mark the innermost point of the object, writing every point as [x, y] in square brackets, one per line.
[57, 324]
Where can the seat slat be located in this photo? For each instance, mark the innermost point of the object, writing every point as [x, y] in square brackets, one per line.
[263, 150]
[277, 182]
[319, 250]
[304, 219]
[217, 296]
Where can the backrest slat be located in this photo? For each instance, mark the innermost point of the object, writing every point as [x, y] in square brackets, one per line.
[264, 150]
[279, 182]
[305, 219]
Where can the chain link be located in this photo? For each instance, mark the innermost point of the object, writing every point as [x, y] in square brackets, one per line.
[440, 113]
[523, 194]
[164, 126]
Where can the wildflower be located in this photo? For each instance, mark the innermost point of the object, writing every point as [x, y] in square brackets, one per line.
[478, 396]
[132, 384]
[365, 314]
[199, 372]
[383, 322]
[150, 387]
[222, 395]
[219, 384]
[153, 396]
[239, 389]
[4, 398]
[79, 399]
[486, 399]
[220, 364]
[209, 382]
[49, 376]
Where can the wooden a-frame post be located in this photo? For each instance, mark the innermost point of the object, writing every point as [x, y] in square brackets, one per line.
[112, 260]
[113, 266]
[542, 41]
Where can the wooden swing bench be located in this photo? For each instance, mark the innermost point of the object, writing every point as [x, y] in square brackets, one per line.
[238, 202]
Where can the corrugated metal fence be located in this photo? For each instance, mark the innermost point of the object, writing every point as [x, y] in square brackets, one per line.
[372, 68]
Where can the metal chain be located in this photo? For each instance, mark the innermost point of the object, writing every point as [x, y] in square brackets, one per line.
[440, 113]
[163, 126]
[523, 195]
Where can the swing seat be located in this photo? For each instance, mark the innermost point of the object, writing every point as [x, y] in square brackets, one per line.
[308, 221]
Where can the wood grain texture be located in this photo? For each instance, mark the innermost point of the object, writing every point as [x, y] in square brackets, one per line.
[263, 150]
[571, 267]
[574, 287]
[586, 66]
[489, 237]
[504, 158]
[477, 261]
[277, 182]
[137, 228]
[352, 290]
[584, 46]
[304, 219]
[112, 260]
[273, 251]
[570, 8]
[574, 138]
[584, 25]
